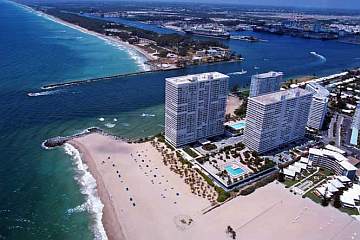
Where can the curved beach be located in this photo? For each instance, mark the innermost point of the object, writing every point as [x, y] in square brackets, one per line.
[143, 199]
[142, 56]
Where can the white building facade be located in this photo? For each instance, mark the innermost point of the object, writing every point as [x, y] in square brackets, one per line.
[356, 117]
[195, 107]
[275, 119]
[265, 83]
[333, 161]
[319, 105]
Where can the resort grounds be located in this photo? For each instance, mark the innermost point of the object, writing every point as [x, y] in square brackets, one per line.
[149, 196]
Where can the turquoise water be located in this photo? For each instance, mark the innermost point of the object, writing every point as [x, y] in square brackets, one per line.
[234, 172]
[43, 192]
[239, 125]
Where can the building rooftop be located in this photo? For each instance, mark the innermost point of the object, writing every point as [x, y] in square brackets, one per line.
[335, 149]
[271, 74]
[319, 91]
[343, 179]
[280, 96]
[343, 161]
[336, 183]
[196, 77]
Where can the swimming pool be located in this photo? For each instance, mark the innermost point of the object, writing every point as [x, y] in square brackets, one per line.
[234, 172]
[238, 125]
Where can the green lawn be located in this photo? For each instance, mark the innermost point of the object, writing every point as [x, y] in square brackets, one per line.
[313, 197]
[191, 153]
[350, 211]
[289, 182]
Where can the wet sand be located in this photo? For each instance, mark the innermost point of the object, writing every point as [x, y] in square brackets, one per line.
[164, 204]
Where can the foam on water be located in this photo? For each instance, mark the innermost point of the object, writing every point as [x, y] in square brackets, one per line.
[321, 57]
[101, 119]
[147, 115]
[139, 59]
[45, 93]
[81, 208]
[87, 187]
[135, 55]
[109, 125]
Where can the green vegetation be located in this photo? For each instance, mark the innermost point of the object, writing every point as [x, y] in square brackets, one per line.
[289, 182]
[161, 138]
[183, 160]
[209, 147]
[350, 211]
[182, 45]
[313, 197]
[222, 194]
[191, 153]
[262, 182]
[241, 111]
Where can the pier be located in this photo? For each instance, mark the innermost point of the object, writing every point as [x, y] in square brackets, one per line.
[59, 141]
[91, 80]
[111, 77]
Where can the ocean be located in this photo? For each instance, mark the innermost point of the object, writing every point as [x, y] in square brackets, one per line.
[48, 194]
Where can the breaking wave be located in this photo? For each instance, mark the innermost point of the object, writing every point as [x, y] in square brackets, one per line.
[87, 184]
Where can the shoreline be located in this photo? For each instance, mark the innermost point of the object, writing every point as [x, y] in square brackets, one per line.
[122, 220]
[109, 219]
[129, 48]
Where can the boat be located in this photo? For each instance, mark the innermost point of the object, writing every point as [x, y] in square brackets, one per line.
[208, 30]
[245, 38]
[147, 115]
[239, 73]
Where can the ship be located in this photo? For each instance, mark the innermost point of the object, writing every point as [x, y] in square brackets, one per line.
[208, 30]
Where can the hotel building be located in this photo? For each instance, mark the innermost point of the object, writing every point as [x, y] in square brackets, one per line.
[265, 83]
[332, 160]
[276, 119]
[319, 104]
[195, 107]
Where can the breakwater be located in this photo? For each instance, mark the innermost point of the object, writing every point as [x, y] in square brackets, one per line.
[91, 80]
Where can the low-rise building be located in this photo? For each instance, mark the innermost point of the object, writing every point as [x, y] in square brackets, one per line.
[332, 161]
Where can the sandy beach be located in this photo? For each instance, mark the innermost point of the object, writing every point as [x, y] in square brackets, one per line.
[145, 200]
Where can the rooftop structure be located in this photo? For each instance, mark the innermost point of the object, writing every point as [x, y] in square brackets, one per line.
[195, 107]
[279, 96]
[333, 161]
[319, 104]
[335, 149]
[351, 197]
[275, 119]
[265, 83]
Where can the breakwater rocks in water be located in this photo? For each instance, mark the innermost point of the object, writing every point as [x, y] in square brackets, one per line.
[59, 141]
[86, 81]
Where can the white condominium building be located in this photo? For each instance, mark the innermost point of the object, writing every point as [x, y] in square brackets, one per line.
[276, 119]
[319, 104]
[265, 83]
[195, 107]
[356, 118]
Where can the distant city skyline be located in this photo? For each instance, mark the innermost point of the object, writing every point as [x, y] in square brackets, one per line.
[347, 4]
